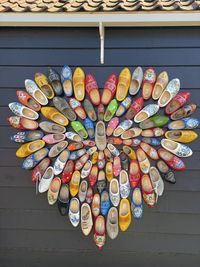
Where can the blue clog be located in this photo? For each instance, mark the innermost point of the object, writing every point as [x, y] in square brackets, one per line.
[136, 203]
[105, 203]
[89, 125]
[151, 141]
[66, 79]
[26, 136]
[32, 160]
[186, 123]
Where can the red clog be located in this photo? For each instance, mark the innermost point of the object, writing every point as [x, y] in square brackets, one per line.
[171, 160]
[93, 176]
[40, 169]
[115, 140]
[67, 172]
[109, 89]
[100, 231]
[89, 195]
[135, 107]
[75, 146]
[77, 107]
[149, 150]
[147, 191]
[177, 102]
[134, 173]
[149, 81]
[92, 90]
[22, 123]
[27, 100]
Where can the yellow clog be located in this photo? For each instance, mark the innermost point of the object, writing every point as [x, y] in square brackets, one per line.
[79, 84]
[74, 183]
[109, 171]
[54, 115]
[29, 148]
[44, 85]
[94, 157]
[124, 214]
[123, 84]
[129, 152]
[183, 136]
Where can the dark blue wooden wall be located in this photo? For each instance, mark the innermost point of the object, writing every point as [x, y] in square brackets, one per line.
[34, 234]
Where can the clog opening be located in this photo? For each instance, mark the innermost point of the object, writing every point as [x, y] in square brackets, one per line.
[63, 156]
[157, 91]
[124, 208]
[64, 193]
[67, 87]
[74, 207]
[55, 185]
[141, 155]
[36, 145]
[177, 125]
[170, 144]
[40, 154]
[134, 87]
[147, 89]
[48, 174]
[137, 197]
[166, 155]
[33, 104]
[141, 116]
[154, 174]
[162, 166]
[123, 177]
[60, 119]
[28, 124]
[32, 135]
[100, 225]
[114, 187]
[47, 90]
[106, 96]
[165, 97]
[146, 183]
[134, 169]
[40, 97]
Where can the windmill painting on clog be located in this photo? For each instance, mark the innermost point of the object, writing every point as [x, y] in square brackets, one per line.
[102, 155]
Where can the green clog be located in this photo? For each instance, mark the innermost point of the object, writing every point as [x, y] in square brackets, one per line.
[110, 111]
[79, 128]
[155, 121]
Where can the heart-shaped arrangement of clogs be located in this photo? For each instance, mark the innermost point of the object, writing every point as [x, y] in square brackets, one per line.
[100, 156]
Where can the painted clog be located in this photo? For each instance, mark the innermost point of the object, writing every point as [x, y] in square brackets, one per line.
[29, 148]
[62, 105]
[22, 123]
[149, 150]
[60, 162]
[124, 161]
[183, 112]
[96, 205]
[157, 181]
[43, 83]
[176, 148]
[123, 107]
[75, 146]
[110, 110]
[135, 107]
[171, 160]
[114, 140]
[147, 191]
[109, 171]
[100, 232]
[183, 136]
[89, 126]
[100, 135]
[124, 214]
[101, 181]
[116, 166]
[66, 79]
[112, 126]
[92, 90]
[146, 112]
[93, 176]
[73, 136]
[134, 173]
[68, 171]
[22, 111]
[26, 136]
[89, 109]
[79, 84]
[86, 219]
[81, 161]
[131, 142]
[143, 160]
[28, 101]
[112, 224]
[136, 203]
[109, 89]
[122, 127]
[40, 169]
[74, 211]
[136, 81]
[74, 183]
[77, 107]
[170, 92]
[82, 190]
[63, 200]
[94, 157]
[160, 85]
[148, 83]
[151, 141]
[165, 171]
[53, 138]
[124, 186]
[114, 192]
[154, 132]
[105, 203]
[79, 129]
[32, 160]
[53, 191]
[177, 102]
[54, 80]
[186, 123]
[114, 151]
[50, 127]
[57, 149]
[101, 160]
[46, 180]
[131, 133]
[54, 115]
[155, 121]
[35, 92]
[86, 169]
[129, 152]
[89, 195]
[123, 84]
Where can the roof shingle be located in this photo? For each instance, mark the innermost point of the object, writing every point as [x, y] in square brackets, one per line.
[96, 5]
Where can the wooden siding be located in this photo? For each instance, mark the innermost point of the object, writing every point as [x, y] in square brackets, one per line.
[33, 233]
